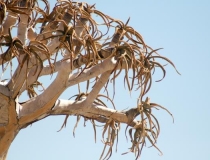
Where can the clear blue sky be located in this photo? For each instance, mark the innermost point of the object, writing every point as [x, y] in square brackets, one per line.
[182, 28]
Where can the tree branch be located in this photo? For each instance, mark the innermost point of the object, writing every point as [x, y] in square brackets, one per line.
[97, 87]
[31, 76]
[17, 80]
[92, 72]
[22, 27]
[4, 30]
[10, 21]
[70, 107]
[43, 103]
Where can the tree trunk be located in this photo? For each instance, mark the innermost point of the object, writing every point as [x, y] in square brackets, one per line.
[8, 124]
[7, 136]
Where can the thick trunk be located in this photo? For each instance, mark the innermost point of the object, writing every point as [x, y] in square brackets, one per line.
[7, 136]
[8, 124]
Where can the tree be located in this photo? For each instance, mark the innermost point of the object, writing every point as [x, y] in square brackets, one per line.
[76, 43]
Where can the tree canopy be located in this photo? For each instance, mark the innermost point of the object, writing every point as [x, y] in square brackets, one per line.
[76, 43]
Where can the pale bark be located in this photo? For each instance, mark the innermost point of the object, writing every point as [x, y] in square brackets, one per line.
[63, 107]
[31, 111]
[22, 28]
[43, 103]
[97, 87]
[92, 72]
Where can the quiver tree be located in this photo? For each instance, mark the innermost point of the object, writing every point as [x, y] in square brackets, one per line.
[68, 43]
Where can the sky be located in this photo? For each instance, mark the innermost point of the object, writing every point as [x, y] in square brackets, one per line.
[182, 28]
